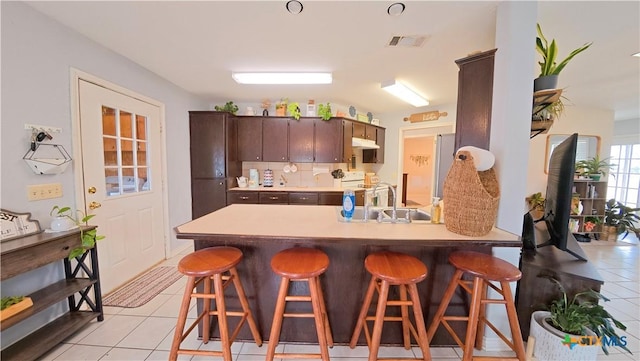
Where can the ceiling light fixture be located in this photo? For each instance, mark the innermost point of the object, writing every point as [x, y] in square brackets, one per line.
[282, 78]
[636, 55]
[294, 7]
[395, 9]
[403, 92]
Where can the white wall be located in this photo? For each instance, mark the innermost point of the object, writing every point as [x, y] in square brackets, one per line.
[584, 121]
[37, 54]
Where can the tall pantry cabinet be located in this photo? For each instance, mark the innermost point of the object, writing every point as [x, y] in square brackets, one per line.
[214, 160]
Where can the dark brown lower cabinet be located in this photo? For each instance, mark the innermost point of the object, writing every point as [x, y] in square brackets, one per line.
[303, 198]
[243, 197]
[208, 195]
[274, 198]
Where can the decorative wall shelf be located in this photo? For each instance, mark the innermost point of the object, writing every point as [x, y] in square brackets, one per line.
[542, 99]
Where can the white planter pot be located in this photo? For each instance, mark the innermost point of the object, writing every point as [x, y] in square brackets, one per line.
[549, 347]
[62, 224]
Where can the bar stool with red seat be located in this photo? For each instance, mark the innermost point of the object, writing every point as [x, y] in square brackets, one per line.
[484, 269]
[301, 264]
[393, 269]
[215, 265]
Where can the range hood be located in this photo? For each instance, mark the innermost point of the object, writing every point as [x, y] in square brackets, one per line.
[364, 143]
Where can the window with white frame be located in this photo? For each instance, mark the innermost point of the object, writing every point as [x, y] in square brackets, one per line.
[624, 178]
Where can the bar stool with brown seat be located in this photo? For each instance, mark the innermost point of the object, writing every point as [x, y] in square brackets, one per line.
[393, 269]
[484, 269]
[301, 264]
[215, 265]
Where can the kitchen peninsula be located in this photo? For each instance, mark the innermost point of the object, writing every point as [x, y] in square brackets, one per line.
[261, 231]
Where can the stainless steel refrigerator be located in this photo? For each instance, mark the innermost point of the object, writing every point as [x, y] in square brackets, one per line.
[445, 144]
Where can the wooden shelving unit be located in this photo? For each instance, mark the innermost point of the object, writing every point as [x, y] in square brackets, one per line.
[593, 195]
[80, 287]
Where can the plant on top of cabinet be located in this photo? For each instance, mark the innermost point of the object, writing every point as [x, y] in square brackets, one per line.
[89, 237]
[594, 167]
[324, 111]
[281, 107]
[228, 107]
[294, 110]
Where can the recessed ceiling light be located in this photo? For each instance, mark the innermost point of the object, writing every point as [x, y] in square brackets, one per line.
[403, 92]
[282, 78]
[395, 9]
[294, 7]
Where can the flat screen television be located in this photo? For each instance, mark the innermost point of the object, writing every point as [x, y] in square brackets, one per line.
[557, 208]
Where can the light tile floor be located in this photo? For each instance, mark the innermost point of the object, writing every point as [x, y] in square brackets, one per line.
[145, 333]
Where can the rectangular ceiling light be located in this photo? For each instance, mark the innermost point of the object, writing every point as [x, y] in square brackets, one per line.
[637, 55]
[401, 91]
[282, 78]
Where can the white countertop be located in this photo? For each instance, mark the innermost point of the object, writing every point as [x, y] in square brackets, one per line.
[319, 222]
[289, 189]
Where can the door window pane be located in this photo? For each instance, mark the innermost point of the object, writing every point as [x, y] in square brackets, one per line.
[125, 152]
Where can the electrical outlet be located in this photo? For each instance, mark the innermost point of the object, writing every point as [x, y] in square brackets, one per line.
[38, 192]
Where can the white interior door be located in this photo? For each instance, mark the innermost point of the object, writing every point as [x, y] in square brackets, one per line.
[121, 160]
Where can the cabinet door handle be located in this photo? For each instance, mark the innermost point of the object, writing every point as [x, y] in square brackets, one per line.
[303, 198]
[220, 183]
[244, 198]
[283, 158]
[273, 198]
[257, 157]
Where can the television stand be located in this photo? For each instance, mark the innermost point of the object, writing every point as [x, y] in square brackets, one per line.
[534, 289]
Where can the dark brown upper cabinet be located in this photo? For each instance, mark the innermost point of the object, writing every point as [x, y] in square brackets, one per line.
[250, 138]
[475, 94]
[347, 134]
[301, 141]
[275, 140]
[374, 155]
[328, 140]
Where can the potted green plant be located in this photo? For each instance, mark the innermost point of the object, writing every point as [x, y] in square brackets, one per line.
[619, 219]
[591, 222]
[89, 237]
[536, 205]
[579, 320]
[281, 107]
[594, 168]
[549, 66]
[227, 107]
[324, 111]
[294, 110]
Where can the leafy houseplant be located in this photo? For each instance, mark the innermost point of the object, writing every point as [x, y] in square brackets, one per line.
[591, 222]
[582, 312]
[89, 237]
[594, 167]
[294, 110]
[621, 218]
[324, 111]
[228, 107]
[536, 205]
[549, 52]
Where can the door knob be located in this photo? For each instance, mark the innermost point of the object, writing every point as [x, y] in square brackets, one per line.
[94, 205]
[91, 190]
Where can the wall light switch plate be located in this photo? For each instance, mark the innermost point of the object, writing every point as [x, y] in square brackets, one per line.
[36, 192]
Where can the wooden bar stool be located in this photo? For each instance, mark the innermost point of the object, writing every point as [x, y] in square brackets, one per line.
[397, 269]
[484, 269]
[301, 264]
[208, 266]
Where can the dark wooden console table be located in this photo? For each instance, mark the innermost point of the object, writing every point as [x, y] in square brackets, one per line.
[81, 277]
[535, 290]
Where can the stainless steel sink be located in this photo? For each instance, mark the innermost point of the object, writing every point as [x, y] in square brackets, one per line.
[359, 214]
[413, 214]
[403, 215]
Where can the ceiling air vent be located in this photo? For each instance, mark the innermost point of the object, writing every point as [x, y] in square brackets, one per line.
[407, 41]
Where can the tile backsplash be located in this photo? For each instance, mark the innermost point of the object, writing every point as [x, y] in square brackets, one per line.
[307, 174]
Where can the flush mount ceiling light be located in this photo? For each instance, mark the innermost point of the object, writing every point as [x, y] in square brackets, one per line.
[395, 9]
[636, 55]
[282, 78]
[403, 92]
[294, 7]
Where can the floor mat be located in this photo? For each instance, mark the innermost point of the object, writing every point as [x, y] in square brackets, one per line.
[142, 289]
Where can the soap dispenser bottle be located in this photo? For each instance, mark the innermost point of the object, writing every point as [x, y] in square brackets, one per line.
[436, 211]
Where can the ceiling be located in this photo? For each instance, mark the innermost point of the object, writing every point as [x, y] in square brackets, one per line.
[196, 45]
